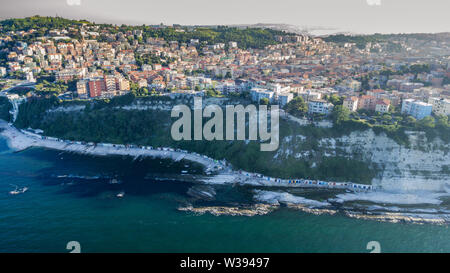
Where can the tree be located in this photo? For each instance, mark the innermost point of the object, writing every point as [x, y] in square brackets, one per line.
[297, 107]
[264, 101]
[426, 122]
[340, 114]
[410, 120]
[442, 121]
[5, 107]
[335, 99]
[365, 83]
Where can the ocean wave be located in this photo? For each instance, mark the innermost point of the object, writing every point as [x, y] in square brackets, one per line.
[277, 197]
[392, 198]
[95, 177]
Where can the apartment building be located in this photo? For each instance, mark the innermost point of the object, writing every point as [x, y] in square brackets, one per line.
[417, 109]
[351, 103]
[320, 107]
[259, 93]
[284, 98]
[440, 106]
[382, 105]
[367, 102]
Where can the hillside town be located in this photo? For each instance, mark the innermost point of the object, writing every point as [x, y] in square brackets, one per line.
[410, 75]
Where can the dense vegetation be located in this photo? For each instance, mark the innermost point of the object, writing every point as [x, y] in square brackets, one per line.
[101, 121]
[245, 37]
[297, 107]
[5, 107]
[393, 124]
[391, 40]
[39, 22]
[360, 40]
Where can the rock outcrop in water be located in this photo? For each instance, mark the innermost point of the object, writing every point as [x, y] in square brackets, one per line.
[257, 209]
[203, 192]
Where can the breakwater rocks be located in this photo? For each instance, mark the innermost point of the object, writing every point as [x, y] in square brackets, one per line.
[253, 210]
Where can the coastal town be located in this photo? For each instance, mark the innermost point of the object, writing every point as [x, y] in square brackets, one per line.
[85, 61]
[221, 132]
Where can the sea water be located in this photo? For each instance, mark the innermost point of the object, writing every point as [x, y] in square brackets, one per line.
[75, 198]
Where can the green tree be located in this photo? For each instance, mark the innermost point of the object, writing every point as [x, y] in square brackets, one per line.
[340, 114]
[5, 107]
[335, 99]
[426, 123]
[297, 107]
[264, 101]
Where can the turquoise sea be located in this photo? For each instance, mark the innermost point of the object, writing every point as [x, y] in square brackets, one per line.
[71, 198]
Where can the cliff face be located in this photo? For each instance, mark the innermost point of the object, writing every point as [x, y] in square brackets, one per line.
[423, 165]
[361, 156]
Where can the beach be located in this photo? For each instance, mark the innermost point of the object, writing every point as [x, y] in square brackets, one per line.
[223, 172]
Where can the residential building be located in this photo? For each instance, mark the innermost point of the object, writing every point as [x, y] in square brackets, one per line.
[440, 106]
[284, 98]
[367, 102]
[351, 103]
[417, 109]
[310, 95]
[2, 71]
[96, 87]
[110, 83]
[382, 105]
[320, 107]
[82, 88]
[410, 86]
[122, 84]
[259, 93]
[70, 74]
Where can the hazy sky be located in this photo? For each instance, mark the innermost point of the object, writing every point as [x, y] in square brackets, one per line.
[360, 16]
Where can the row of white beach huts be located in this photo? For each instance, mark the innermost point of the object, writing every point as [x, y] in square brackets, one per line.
[309, 182]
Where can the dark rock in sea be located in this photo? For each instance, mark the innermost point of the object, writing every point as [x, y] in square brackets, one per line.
[203, 192]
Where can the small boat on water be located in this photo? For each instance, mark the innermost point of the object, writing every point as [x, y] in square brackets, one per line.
[120, 194]
[115, 181]
[18, 190]
[184, 172]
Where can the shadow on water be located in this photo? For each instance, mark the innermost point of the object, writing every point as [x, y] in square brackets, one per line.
[91, 176]
[87, 176]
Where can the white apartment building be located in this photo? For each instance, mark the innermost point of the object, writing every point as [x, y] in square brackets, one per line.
[351, 103]
[440, 106]
[320, 107]
[259, 93]
[2, 71]
[284, 98]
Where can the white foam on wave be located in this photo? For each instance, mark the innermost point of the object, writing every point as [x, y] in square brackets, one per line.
[392, 198]
[413, 184]
[220, 179]
[276, 198]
